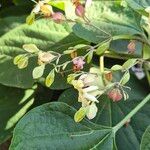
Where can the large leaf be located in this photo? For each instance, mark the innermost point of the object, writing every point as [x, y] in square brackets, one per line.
[115, 20]
[51, 126]
[14, 103]
[145, 144]
[111, 113]
[9, 23]
[47, 35]
[138, 5]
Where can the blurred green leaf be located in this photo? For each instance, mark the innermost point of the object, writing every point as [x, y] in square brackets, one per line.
[146, 52]
[14, 103]
[58, 4]
[8, 23]
[145, 144]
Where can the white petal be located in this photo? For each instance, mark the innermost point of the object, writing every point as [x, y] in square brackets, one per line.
[90, 97]
[90, 89]
[91, 113]
[88, 3]
[36, 9]
[97, 92]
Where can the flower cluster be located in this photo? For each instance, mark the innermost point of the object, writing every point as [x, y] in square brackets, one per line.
[43, 8]
[88, 92]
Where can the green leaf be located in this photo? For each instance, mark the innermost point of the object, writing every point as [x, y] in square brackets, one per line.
[38, 71]
[68, 51]
[146, 53]
[14, 103]
[31, 48]
[109, 19]
[58, 4]
[51, 126]
[116, 67]
[30, 19]
[80, 114]
[125, 78]
[110, 113]
[129, 63]
[23, 62]
[89, 57]
[17, 58]
[46, 35]
[9, 23]
[138, 6]
[50, 78]
[80, 46]
[145, 145]
[103, 47]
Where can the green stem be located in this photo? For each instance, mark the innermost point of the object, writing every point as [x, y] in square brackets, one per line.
[133, 112]
[112, 54]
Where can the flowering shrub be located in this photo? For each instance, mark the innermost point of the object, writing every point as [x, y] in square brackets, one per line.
[97, 52]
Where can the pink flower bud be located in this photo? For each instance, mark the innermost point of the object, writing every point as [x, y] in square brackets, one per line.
[115, 95]
[131, 47]
[58, 17]
[80, 10]
[78, 63]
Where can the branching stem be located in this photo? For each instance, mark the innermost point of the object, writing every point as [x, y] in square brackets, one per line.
[132, 113]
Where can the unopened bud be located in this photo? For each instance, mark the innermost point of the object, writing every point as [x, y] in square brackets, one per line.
[108, 76]
[80, 10]
[58, 17]
[131, 47]
[115, 95]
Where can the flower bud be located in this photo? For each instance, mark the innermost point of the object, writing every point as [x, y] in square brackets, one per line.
[78, 63]
[131, 47]
[108, 76]
[58, 17]
[115, 95]
[80, 10]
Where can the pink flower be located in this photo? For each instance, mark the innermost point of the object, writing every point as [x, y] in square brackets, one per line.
[78, 62]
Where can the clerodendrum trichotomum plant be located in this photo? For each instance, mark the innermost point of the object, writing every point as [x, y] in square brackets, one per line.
[98, 54]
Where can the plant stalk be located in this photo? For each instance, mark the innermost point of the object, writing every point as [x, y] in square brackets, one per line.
[133, 112]
[101, 61]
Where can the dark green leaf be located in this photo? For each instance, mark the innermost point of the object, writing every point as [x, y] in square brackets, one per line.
[109, 19]
[145, 144]
[14, 103]
[52, 126]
